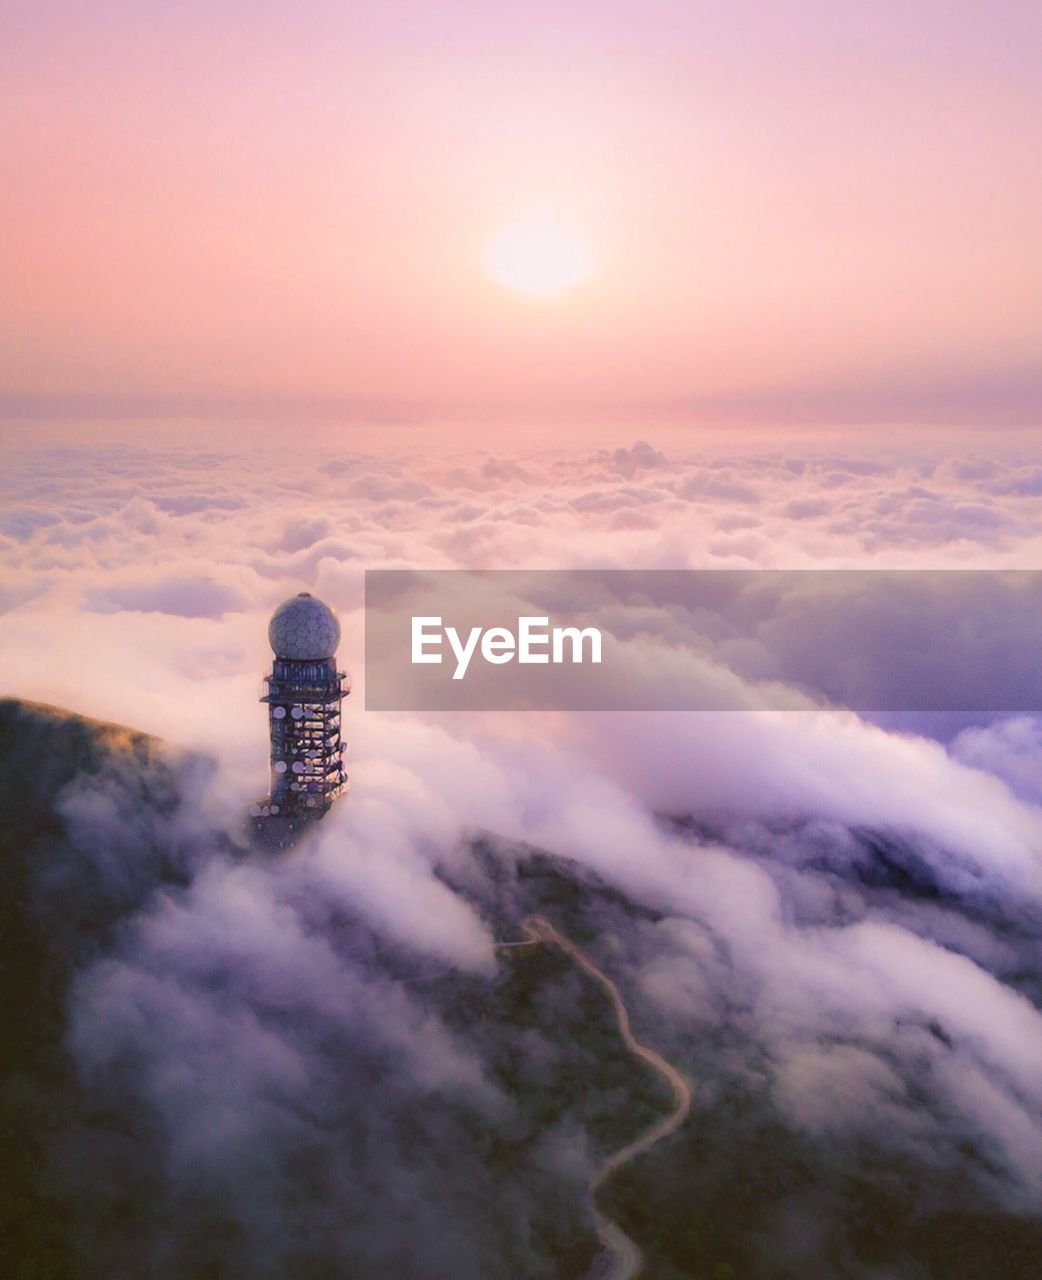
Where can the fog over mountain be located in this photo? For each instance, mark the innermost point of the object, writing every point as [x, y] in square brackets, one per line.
[232, 1065]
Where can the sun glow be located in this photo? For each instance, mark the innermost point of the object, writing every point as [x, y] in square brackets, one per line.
[538, 257]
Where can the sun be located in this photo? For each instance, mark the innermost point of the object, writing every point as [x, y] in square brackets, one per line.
[539, 258]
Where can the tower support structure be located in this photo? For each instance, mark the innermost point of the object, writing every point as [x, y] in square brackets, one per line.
[307, 753]
[304, 693]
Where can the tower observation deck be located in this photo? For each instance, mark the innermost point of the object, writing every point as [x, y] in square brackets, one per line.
[303, 693]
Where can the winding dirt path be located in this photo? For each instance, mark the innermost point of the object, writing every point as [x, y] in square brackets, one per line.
[626, 1256]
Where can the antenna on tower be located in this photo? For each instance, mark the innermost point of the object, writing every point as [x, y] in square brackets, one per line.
[304, 692]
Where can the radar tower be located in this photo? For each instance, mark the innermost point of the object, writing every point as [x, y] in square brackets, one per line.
[303, 693]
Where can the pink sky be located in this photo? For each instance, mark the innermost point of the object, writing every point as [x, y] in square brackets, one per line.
[804, 207]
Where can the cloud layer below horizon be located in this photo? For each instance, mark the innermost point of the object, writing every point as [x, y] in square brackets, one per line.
[860, 907]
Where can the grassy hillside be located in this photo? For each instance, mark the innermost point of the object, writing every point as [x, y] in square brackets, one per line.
[55, 911]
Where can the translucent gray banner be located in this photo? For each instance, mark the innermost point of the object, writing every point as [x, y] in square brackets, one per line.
[962, 641]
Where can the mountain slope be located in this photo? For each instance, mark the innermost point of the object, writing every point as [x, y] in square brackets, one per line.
[219, 1066]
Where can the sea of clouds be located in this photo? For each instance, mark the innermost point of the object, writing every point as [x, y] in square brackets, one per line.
[861, 904]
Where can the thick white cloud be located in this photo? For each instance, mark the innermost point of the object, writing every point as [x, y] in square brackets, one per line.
[862, 904]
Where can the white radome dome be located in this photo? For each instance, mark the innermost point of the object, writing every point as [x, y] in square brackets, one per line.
[304, 629]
